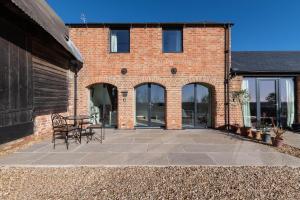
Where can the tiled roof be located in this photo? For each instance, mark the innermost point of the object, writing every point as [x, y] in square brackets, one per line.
[265, 62]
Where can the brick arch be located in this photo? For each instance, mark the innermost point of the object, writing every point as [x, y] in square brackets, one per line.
[100, 80]
[153, 80]
[212, 90]
[209, 81]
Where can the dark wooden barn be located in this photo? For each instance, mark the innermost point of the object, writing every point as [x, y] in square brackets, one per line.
[37, 58]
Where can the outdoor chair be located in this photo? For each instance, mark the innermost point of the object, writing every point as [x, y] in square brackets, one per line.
[61, 128]
[92, 126]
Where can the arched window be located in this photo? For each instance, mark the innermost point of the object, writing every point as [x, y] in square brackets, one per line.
[150, 105]
[196, 106]
[104, 103]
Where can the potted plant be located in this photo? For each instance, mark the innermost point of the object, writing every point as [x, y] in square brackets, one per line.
[258, 134]
[241, 98]
[278, 140]
[266, 136]
[235, 128]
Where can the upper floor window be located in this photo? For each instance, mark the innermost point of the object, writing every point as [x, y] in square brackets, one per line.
[119, 40]
[172, 40]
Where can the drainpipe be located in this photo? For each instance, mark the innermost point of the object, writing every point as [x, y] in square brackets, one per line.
[75, 92]
[226, 76]
[75, 66]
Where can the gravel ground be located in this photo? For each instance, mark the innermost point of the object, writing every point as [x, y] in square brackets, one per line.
[290, 150]
[150, 183]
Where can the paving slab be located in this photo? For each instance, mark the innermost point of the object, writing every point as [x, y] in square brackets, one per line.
[59, 159]
[104, 159]
[190, 159]
[20, 158]
[154, 147]
[147, 159]
[165, 148]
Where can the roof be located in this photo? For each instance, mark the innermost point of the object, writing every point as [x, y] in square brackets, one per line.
[249, 62]
[40, 12]
[203, 23]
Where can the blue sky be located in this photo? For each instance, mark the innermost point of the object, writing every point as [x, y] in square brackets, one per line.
[259, 24]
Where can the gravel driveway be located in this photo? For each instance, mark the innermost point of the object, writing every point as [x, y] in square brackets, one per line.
[150, 183]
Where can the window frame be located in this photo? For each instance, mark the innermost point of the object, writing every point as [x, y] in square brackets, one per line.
[277, 79]
[118, 28]
[179, 28]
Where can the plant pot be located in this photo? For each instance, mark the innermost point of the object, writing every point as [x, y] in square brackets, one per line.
[278, 142]
[246, 131]
[235, 128]
[266, 138]
[258, 135]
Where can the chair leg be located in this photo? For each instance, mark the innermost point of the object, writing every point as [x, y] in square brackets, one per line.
[53, 140]
[66, 140]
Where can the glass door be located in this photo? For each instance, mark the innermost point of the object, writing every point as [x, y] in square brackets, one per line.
[196, 106]
[150, 105]
[268, 102]
[157, 106]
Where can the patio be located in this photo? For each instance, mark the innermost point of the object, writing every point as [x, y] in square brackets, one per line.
[153, 147]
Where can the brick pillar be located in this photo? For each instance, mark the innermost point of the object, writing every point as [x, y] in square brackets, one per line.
[173, 108]
[126, 109]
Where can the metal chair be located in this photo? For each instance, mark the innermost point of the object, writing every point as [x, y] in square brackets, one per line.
[61, 128]
[95, 125]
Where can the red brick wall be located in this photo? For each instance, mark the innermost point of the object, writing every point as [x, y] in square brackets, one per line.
[202, 61]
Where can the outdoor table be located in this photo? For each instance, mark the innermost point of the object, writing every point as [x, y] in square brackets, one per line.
[78, 118]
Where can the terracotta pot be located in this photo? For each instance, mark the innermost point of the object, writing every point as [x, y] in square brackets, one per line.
[235, 128]
[258, 135]
[278, 142]
[246, 131]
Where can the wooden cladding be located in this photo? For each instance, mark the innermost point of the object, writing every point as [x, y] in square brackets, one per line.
[50, 87]
[15, 76]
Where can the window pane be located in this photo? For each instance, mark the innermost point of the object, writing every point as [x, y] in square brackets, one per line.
[172, 40]
[120, 41]
[268, 102]
[253, 105]
[287, 98]
[188, 106]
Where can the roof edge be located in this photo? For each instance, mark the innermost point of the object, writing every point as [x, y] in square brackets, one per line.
[149, 23]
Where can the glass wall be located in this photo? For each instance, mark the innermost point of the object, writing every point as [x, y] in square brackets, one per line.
[150, 105]
[104, 104]
[271, 102]
[196, 106]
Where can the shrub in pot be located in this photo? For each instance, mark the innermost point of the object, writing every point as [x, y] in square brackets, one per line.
[241, 98]
[278, 140]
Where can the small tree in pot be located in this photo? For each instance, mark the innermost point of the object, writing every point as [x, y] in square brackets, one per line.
[241, 98]
[278, 140]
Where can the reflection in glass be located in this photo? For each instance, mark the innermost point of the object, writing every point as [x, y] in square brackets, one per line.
[250, 85]
[142, 105]
[268, 102]
[150, 106]
[196, 107]
[188, 105]
[172, 40]
[103, 104]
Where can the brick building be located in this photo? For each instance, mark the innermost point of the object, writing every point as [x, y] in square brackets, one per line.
[154, 75]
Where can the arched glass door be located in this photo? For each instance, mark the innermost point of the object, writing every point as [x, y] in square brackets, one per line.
[196, 106]
[104, 103]
[150, 105]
